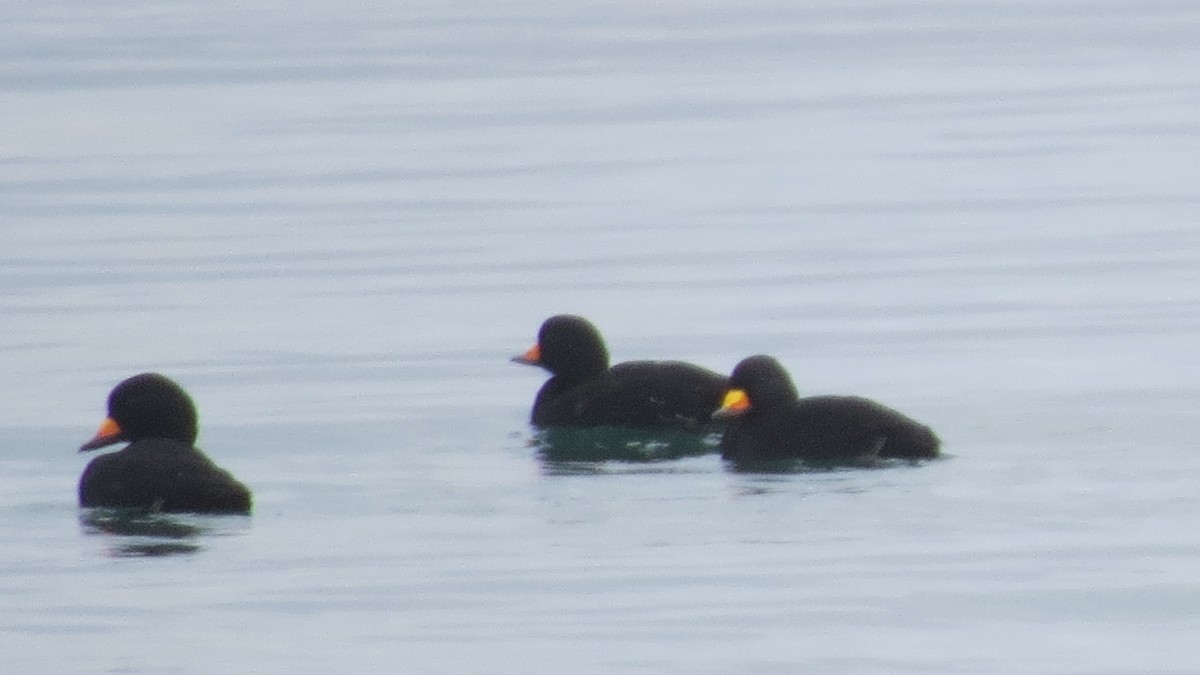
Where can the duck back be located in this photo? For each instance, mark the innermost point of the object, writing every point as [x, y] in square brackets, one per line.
[828, 429]
[634, 393]
[165, 475]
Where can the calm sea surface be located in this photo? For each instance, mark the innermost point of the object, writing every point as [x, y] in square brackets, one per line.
[333, 222]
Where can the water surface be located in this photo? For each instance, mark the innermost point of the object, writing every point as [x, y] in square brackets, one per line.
[334, 223]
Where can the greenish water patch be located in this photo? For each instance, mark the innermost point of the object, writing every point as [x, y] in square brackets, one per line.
[622, 444]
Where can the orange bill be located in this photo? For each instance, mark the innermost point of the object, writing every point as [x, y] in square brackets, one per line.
[108, 433]
[532, 356]
[735, 403]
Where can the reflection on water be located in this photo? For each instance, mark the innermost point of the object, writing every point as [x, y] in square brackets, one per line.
[786, 466]
[564, 445]
[135, 533]
[566, 450]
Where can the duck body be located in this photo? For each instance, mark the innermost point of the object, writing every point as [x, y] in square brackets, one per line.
[769, 421]
[583, 391]
[160, 469]
[162, 474]
[634, 393]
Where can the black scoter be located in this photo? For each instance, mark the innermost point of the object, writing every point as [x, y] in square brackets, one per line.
[584, 391]
[160, 469]
[767, 421]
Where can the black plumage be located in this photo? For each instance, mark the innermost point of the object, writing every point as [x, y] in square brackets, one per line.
[160, 469]
[767, 420]
[583, 391]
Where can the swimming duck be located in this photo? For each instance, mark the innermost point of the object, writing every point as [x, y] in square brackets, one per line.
[583, 391]
[160, 469]
[768, 420]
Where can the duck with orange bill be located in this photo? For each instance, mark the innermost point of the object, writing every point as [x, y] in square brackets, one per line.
[767, 420]
[160, 469]
[584, 391]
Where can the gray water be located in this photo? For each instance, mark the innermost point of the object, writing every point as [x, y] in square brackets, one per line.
[334, 223]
